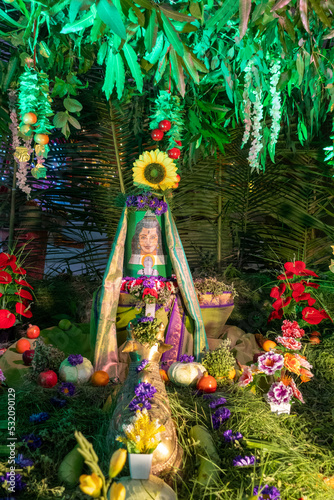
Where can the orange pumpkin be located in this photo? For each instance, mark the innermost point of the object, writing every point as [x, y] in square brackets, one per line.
[41, 139]
[22, 345]
[163, 375]
[314, 340]
[268, 344]
[29, 118]
[207, 383]
[100, 378]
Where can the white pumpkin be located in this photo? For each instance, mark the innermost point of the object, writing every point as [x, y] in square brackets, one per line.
[185, 374]
[78, 374]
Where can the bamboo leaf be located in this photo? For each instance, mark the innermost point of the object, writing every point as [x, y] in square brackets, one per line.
[9, 20]
[109, 14]
[110, 76]
[177, 71]
[300, 67]
[174, 14]
[82, 23]
[190, 66]
[120, 75]
[280, 4]
[56, 8]
[151, 32]
[195, 10]
[172, 35]
[320, 12]
[303, 14]
[12, 65]
[74, 8]
[224, 14]
[154, 56]
[131, 58]
[97, 29]
[102, 53]
[244, 12]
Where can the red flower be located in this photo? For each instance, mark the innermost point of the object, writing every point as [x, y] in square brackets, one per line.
[298, 268]
[150, 291]
[5, 278]
[308, 283]
[23, 310]
[7, 319]
[23, 282]
[4, 260]
[24, 294]
[289, 343]
[298, 293]
[279, 303]
[277, 314]
[138, 282]
[286, 276]
[18, 270]
[277, 291]
[314, 316]
[123, 286]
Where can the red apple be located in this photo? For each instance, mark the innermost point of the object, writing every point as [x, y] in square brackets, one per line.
[33, 332]
[28, 356]
[157, 134]
[47, 379]
[165, 125]
[174, 153]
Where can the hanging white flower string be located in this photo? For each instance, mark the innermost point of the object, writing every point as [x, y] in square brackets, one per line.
[257, 115]
[275, 110]
[247, 103]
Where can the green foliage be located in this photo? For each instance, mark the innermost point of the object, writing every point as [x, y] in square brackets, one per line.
[214, 286]
[168, 107]
[220, 361]
[146, 333]
[46, 357]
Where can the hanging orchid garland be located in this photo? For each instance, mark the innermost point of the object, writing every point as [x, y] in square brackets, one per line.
[257, 115]
[275, 110]
[247, 104]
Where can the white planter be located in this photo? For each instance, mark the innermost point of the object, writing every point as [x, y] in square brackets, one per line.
[281, 408]
[140, 465]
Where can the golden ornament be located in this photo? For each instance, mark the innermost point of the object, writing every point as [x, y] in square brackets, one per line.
[21, 154]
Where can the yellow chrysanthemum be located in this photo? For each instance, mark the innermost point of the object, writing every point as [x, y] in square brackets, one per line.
[155, 169]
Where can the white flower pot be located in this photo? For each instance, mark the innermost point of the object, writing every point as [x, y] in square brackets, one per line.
[140, 465]
[281, 408]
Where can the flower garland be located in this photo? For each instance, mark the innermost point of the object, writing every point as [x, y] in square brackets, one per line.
[149, 289]
[257, 115]
[247, 104]
[275, 110]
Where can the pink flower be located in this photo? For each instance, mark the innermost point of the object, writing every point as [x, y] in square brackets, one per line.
[270, 362]
[279, 393]
[246, 377]
[303, 362]
[292, 329]
[289, 343]
[296, 392]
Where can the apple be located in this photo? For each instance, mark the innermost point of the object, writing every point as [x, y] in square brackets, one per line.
[47, 379]
[28, 356]
[33, 332]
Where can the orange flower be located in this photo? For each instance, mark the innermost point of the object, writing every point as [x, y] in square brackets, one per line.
[291, 363]
[286, 380]
[305, 375]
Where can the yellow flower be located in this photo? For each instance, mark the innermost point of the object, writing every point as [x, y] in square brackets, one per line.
[91, 485]
[155, 169]
[117, 492]
[117, 462]
[291, 363]
[143, 434]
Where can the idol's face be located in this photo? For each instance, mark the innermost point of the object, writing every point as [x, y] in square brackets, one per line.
[148, 240]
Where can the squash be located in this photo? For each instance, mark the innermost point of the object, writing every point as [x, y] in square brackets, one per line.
[207, 454]
[185, 374]
[71, 467]
[78, 374]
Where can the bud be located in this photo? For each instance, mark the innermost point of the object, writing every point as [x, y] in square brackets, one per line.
[117, 492]
[117, 462]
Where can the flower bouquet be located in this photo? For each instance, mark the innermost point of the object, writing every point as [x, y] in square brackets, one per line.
[15, 298]
[146, 201]
[149, 289]
[141, 438]
[281, 363]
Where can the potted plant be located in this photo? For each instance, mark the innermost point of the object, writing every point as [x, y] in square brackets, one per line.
[145, 330]
[220, 362]
[141, 438]
[216, 300]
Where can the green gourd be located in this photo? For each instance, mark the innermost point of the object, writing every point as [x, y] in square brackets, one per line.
[71, 467]
[207, 455]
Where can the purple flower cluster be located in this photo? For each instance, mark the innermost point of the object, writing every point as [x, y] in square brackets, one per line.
[147, 201]
[75, 359]
[143, 391]
[217, 402]
[267, 492]
[138, 404]
[230, 437]
[279, 393]
[32, 441]
[270, 362]
[67, 388]
[38, 418]
[145, 319]
[149, 282]
[19, 484]
[142, 365]
[21, 461]
[219, 416]
[240, 461]
[186, 359]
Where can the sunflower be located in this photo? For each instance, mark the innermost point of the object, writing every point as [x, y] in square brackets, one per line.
[155, 169]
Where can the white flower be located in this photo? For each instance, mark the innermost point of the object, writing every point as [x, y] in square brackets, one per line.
[275, 110]
[247, 103]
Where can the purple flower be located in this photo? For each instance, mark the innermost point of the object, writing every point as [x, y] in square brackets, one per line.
[142, 365]
[186, 359]
[209, 397]
[139, 404]
[270, 362]
[240, 461]
[268, 492]
[279, 393]
[141, 201]
[217, 402]
[19, 484]
[67, 388]
[32, 441]
[219, 416]
[145, 319]
[21, 461]
[131, 201]
[153, 203]
[38, 418]
[149, 283]
[230, 437]
[162, 208]
[75, 359]
[60, 403]
[2, 377]
[144, 390]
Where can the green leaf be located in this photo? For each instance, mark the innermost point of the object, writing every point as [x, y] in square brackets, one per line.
[110, 76]
[303, 14]
[97, 29]
[82, 23]
[75, 6]
[172, 35]
[72, 105]
[131, 58]
[73, 121]
[189, 65]
[300, 67]
[195, 10]
[153, 57]
[174, 14]
[12, 65]
[177, 71]
[60, 119]
[120, 75]
[320, 13]
[224, 14]
[280, 4]
[284, 79]
[10, 20]
[244, 11]
[57, 7]
[111, 17]
[150, 37]
[102, 53]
